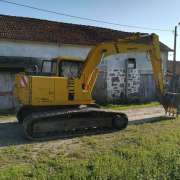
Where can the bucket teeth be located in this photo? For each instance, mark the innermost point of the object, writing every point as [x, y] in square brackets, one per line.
[171, 103]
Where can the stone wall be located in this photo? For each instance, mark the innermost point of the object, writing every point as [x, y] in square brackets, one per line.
[133, 83]
[123, 85]
[116, 84]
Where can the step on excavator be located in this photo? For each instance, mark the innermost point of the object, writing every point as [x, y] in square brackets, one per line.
[56, 98]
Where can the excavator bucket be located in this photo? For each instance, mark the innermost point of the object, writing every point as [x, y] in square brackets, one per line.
[172, 103]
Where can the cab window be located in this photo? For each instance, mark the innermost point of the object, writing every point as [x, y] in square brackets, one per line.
[49, 66]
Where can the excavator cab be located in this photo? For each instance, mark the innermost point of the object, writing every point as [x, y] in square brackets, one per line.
[46, 68]
[69, 67]
[61, 66]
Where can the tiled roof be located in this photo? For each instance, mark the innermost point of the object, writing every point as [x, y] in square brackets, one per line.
[30, 29]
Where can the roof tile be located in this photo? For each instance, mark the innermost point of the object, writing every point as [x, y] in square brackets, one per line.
[30, 29]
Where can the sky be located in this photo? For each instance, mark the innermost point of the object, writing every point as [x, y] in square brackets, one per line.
[161, 14]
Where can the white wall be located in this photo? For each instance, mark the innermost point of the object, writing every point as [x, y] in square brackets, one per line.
[51, 50]
[40, 50]
[142, 61]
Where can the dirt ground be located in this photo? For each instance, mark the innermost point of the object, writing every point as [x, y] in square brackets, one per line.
[11, 132]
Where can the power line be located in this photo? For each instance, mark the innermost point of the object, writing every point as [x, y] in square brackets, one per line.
[83, 18]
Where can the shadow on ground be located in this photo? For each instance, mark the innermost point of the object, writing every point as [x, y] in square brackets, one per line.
[11, 133]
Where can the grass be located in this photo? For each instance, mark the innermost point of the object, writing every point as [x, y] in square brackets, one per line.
[148, 151]
[131, 106]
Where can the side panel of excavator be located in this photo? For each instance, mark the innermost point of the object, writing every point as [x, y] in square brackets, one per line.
[22, 89]
[50, 91]
[43, 90]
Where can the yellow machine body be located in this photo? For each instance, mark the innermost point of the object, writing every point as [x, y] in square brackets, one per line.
[51, 90]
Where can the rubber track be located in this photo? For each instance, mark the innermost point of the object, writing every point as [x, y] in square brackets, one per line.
[66, 114]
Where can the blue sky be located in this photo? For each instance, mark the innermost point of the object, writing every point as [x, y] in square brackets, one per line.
[163, 14]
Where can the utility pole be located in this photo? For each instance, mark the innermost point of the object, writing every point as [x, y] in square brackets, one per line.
[174, 61]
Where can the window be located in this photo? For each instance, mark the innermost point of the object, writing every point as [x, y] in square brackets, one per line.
[70, 68]
[131, 63]
[49, 66]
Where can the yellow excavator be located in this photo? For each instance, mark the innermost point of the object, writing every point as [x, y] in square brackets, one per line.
[56, 100]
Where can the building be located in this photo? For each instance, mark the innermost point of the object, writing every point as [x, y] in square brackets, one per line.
[25, 41]
[170, 67]
[170, 75]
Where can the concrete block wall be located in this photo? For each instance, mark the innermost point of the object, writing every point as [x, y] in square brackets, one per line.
[115, 84]
[119, 88]
[133, 82]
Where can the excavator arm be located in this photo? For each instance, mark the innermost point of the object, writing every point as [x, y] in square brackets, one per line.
[149, 44]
